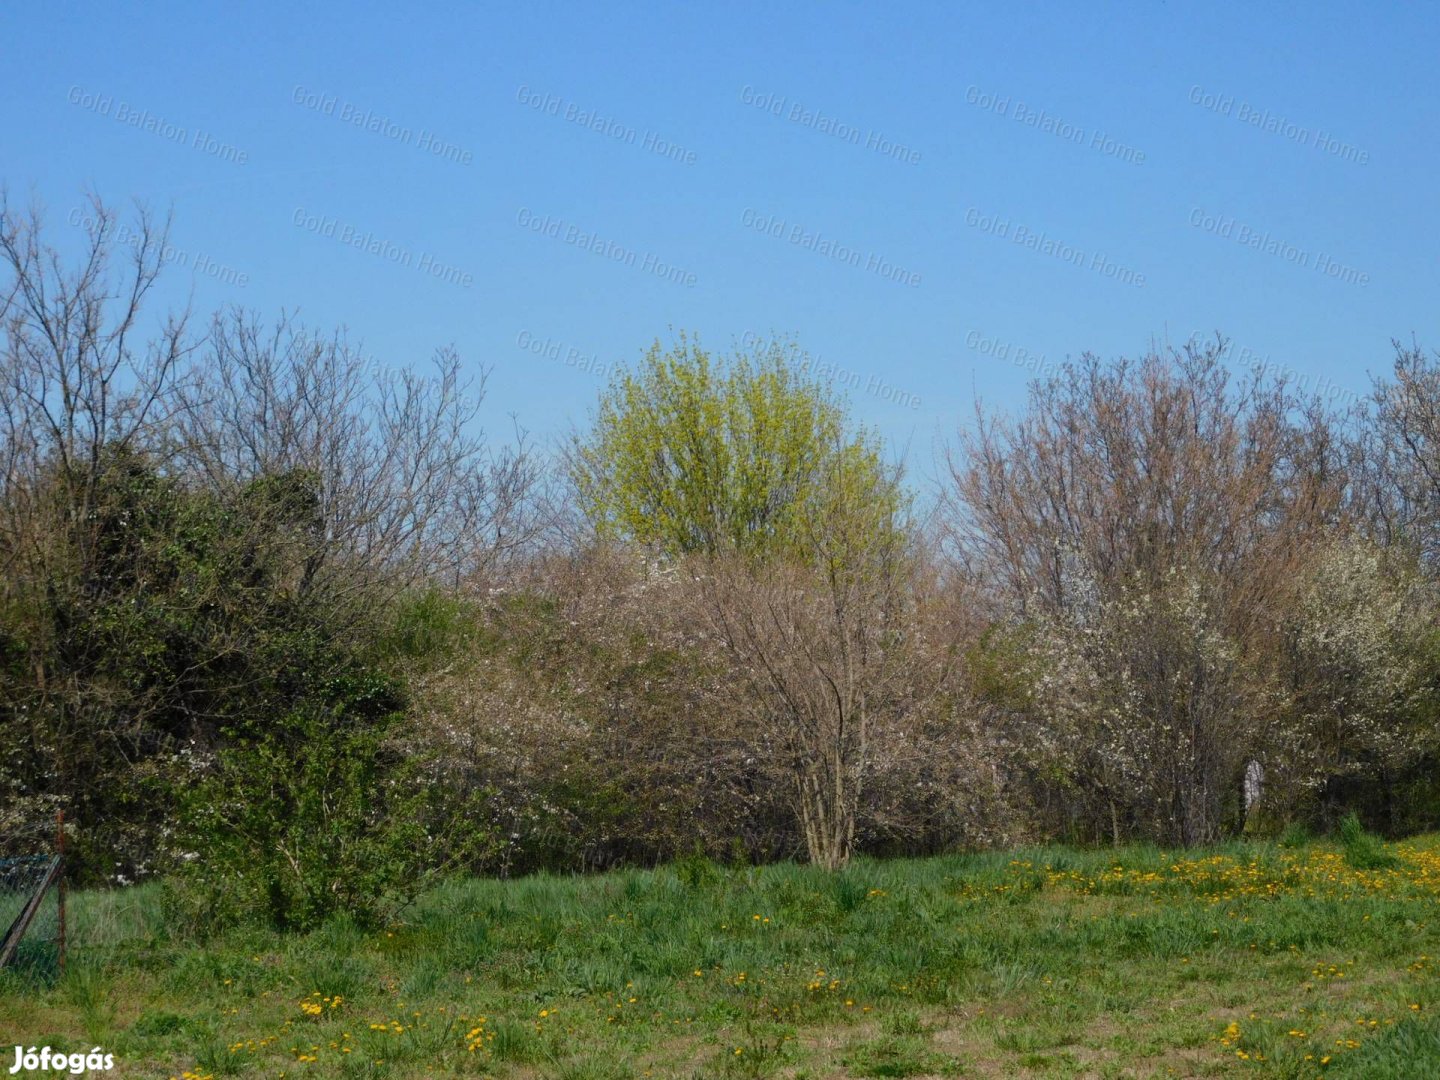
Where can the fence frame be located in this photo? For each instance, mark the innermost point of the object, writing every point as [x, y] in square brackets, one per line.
[52, 878]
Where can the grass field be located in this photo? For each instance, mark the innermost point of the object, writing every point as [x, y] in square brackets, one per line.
[1248, 959]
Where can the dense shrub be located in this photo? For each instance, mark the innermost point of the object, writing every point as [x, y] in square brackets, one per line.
[319, 813]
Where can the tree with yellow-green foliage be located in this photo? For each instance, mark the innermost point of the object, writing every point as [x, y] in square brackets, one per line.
[799, 559]
[690, 454]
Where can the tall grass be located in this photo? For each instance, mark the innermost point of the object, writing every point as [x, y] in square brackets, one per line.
[1363, 850]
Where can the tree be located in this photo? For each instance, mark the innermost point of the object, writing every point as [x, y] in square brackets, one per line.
[1139, 527]
[1142, 708]
[691, 455]
[1132, 467]
[1359, 672]
[1399, 446]
[83, 391]
[198, 538]
[407, 489]
[792, 529]
[825, 645]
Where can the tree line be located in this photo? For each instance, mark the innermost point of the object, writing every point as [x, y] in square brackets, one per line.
[285, 629]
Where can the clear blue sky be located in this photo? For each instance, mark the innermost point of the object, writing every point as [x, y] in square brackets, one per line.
[965, 184]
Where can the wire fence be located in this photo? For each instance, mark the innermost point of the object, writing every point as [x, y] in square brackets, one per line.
[32, 909]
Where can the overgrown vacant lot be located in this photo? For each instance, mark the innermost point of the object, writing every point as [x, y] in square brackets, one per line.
[1254, 958]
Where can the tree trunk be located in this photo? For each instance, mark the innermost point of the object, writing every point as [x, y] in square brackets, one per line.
[828, 816]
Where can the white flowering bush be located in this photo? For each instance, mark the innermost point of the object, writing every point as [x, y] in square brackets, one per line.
[1138, 709]
[1359, 664]
[593, 711]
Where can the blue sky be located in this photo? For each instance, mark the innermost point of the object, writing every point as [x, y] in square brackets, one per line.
[936, 202]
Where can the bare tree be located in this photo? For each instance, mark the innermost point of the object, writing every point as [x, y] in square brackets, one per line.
[406, 487]
[1130, 467]
[78, 374]
[824, 646]
[1397, 446]
[1145, 520]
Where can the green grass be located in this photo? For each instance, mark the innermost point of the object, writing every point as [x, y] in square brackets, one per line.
[1363, 850]
[1250, 959]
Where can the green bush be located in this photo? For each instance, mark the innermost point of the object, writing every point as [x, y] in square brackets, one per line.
[319, 815]
[696, 871]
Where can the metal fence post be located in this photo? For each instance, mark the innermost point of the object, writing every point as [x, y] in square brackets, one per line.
[60, 895]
